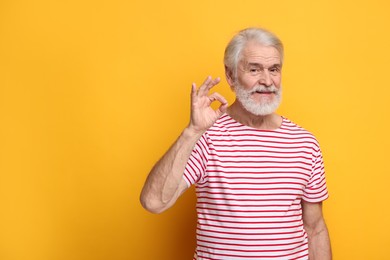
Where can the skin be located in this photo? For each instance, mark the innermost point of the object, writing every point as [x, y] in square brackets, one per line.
[165, 183]
[267, 58]
[317, 232]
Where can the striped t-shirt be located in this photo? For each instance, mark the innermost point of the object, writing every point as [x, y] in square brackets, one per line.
[249, 186]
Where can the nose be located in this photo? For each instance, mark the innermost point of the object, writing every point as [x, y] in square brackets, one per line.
[265, 78]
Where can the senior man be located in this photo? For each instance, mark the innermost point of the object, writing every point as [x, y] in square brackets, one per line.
[259, 177]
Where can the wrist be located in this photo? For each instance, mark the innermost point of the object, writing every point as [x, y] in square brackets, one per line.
[191, 132]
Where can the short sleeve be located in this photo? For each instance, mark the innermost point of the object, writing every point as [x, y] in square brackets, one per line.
[316, 189]
[195, 169]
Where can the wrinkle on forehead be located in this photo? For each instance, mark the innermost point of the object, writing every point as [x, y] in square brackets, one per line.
[257, 53]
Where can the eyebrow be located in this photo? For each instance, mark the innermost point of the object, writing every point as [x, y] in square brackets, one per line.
[260, 65]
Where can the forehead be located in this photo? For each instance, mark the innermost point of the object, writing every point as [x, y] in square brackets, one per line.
[260, 54]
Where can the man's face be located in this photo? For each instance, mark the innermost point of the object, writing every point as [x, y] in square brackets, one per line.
[258, 82]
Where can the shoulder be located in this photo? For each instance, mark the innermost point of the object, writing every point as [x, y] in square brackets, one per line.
[291, 126]
[296, 131]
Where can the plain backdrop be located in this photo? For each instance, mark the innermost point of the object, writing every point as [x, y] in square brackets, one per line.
[92, 93]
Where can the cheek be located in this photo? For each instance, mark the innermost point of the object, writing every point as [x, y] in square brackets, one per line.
[247, 82]
[277, 81]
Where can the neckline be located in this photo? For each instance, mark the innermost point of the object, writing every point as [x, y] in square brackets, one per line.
[254, 128]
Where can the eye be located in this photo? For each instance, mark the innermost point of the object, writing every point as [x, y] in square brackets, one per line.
[274, 70]
[254, 70]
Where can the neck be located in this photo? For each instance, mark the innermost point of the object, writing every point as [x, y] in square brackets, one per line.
[262, 122]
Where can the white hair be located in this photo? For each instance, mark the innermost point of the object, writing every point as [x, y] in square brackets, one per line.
[259, 109]
[238, 42]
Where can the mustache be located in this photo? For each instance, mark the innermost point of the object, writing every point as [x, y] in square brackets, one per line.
[260, 88]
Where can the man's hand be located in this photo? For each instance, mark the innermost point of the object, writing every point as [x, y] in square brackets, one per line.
[203, 115]
[165, 182]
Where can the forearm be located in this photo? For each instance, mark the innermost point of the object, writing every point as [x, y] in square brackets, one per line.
[319, 243]
[165, 181]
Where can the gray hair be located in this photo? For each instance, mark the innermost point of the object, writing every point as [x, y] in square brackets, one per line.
[237, 44]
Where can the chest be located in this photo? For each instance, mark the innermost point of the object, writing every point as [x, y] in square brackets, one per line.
[259, 166]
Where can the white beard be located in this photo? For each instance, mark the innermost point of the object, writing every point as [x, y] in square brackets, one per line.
[258, 108]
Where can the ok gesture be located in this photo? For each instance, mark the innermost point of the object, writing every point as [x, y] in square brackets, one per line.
[203, 115]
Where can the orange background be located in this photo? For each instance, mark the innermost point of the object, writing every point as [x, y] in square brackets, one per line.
[92, 93]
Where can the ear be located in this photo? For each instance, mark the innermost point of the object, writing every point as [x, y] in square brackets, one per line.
[229, 77]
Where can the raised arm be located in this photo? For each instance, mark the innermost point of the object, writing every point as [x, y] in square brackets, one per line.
[165, 182]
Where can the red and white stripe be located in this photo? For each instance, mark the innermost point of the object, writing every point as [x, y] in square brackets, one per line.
[249, 186]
